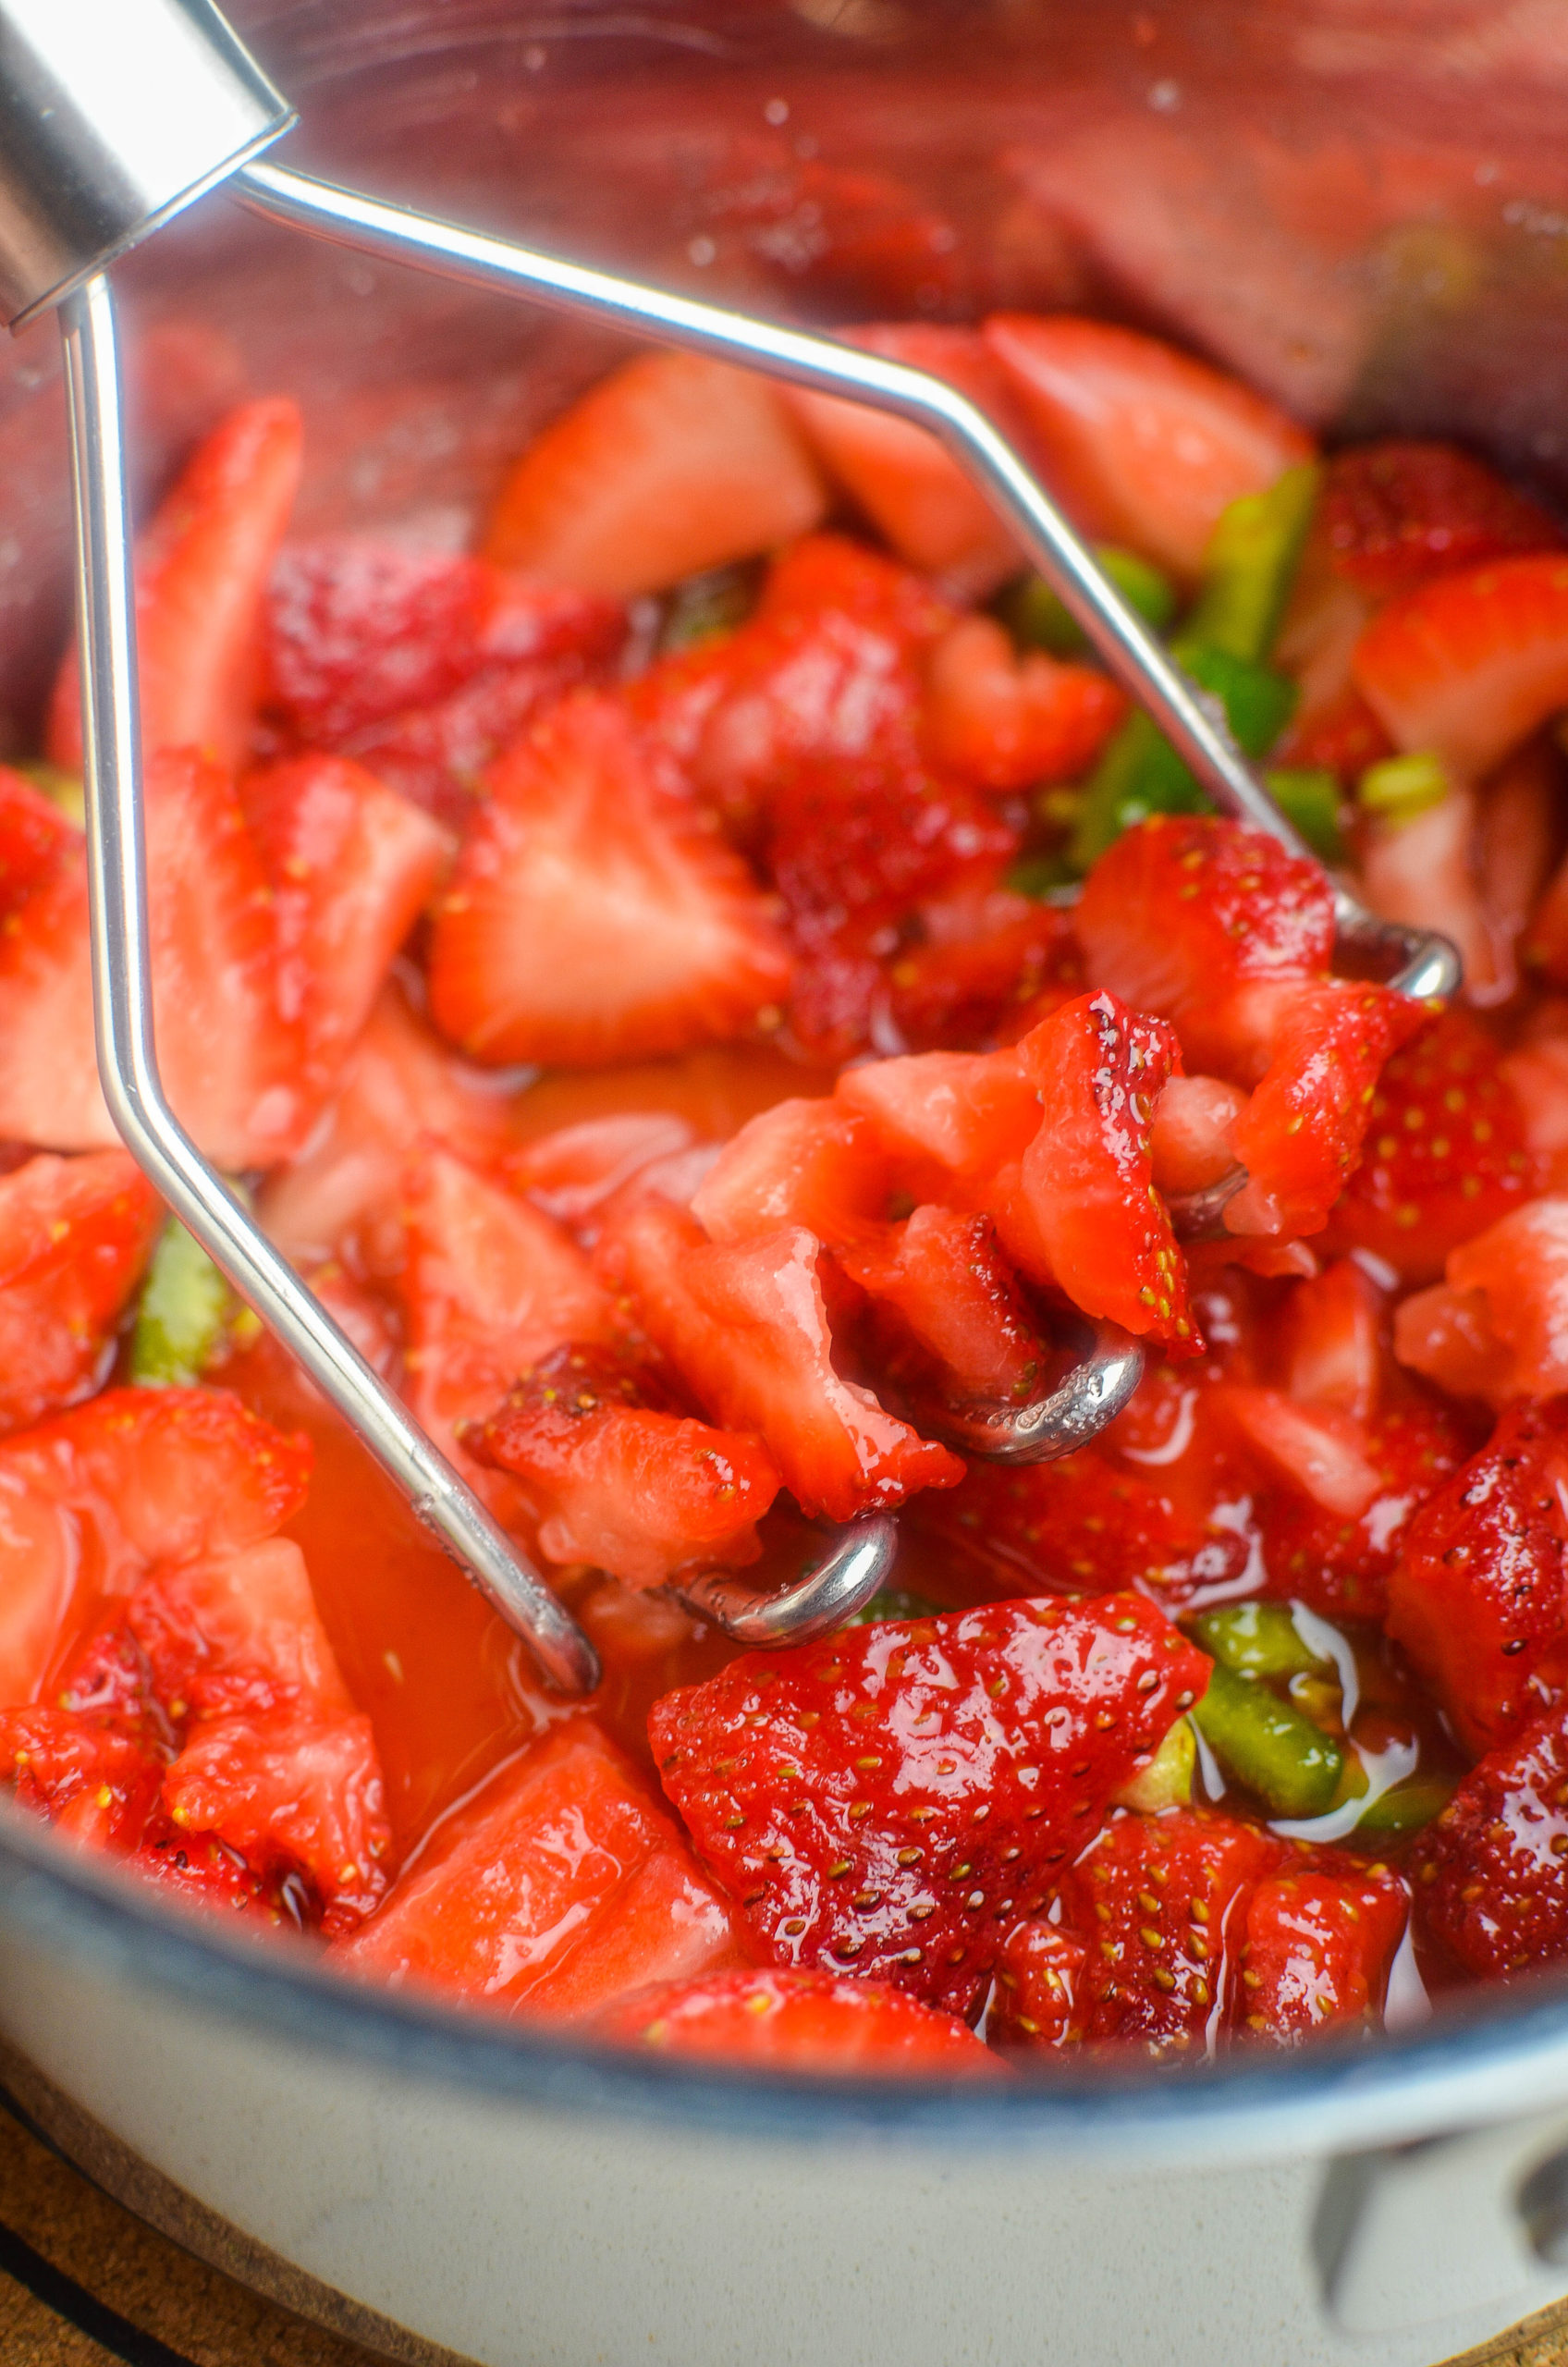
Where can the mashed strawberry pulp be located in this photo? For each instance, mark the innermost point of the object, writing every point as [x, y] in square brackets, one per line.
[704, 987]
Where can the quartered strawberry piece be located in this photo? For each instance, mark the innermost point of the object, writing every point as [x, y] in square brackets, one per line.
[672, 464]
[75, 1235]
[803, 2021]
[1470, 665]
[1339, 1562]
[1007, 722]
[1318, 1946]
[626, 1486]
[1445, 1155]
[490, 1284]
[201, 571]
[1491, 1873]
[1477, 1599]
[905, 481]
[812, 1163]
[745, 1326]
[96, 1784]
[894, 1798]
[1493, 1329]
[1398, 514]
[591, 917]
[1144, 445]
[945, 1306]
[555, 1890]
[953, 1120]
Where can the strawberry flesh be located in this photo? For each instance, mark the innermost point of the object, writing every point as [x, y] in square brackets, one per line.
[804, 2022]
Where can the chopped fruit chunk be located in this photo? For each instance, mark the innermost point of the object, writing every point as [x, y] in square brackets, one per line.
[490, 1285]
[1470, 665]
[236, 1632]
[559, 1887]
[571, 1174]
[672, 464]
[74, 1238]
[1339, 1564]
[639, 1493]
[1494, 1329]
[745, 1326]
[591, 918]
[92, 1784]
[201, 571]
[1007, 722]
[808, 2021]
[1141, 443]
[1192, 1138]
[883, 1800]
[1446, 1152]
[351, 865]
[1477, 1596]
[1319, 1947]
[1397, 514]
[1491, 1872]
[812, 1163]
[952, 1118]
[1040, 1981]
[1335, 1345]
[305, 1791]
[1316, 1450]
[198, 1870]
[939, 1287]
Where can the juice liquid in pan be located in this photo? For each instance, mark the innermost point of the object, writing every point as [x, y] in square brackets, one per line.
[113, 115]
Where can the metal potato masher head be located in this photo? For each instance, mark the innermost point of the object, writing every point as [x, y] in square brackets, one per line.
[115, 114]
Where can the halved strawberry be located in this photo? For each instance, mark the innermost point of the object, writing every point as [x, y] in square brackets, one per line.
[745, 1326]
[1398, 514]
[1491, 1876]
[672, 464]
[636, 1492]
[74, 1238]
[1494, 1329]
[1007, 722]
[590, 917]
[833, 1788]
[944, 1300]
[1469, 666]
[351, 865]
[1142, 444]
[1446, 1153]
[201, 571]
[906, 482]
[400, 1085]
[812, 1163]
[490, 1284]
[1319, 1939]
[556, 1889]
[1477, 1596]
[808, 2021]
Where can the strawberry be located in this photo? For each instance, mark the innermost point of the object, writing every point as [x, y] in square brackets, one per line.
[297, 1792]
[351, 864]
[1399, 513]
[199, 1869]
[672, 464]
[234, 1633]
[201, 571]
[1470, 665]
[1142, 444]
[571, 1172]
[945, 1302]
[803, 2022]
[1342, 736]
[1192, 1139]
[556, 1888]
[36, 841]
[879, 1800]
[988, 964]
[75, 1235]
[745, 1327]
[589, 918]
[636, 1492]
[1007, 722]
[952, 1120]
[1319, 1941]
[1476, 1598]
[901, 476]
[1446, 1153]
[96, 1784]
[1491, 1873]
[1333, 1340]
[1494, 1329]
[812, 1163]
[489, 1285]
[399, 1085]
[1339, 1562]
[844, 240]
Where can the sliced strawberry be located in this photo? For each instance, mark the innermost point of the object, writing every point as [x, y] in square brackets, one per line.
[1446, 1153]
[1007, 722]
[75, 1235]
[833, 1788]
[839, 238]
[351, 865]
[812, 1163]
[1469, 666]
[400, 1085]
[672, 464]
[636, 1492]
[808, 2021]
[1421, 870]
[1491, 1873]
[1142, 444]
[556, 1888]
[489, 1285]
[1334, 1340]
[201, 574]
[300, 1790]
[1398, 514]
[96, 1784]
[940, 1290]
[908, 484]
[437, 756]
[745, 1326]
[108, 1679]
[1316, 1450]
[590, 917]
[1477, 1596]
[1319, 1947]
